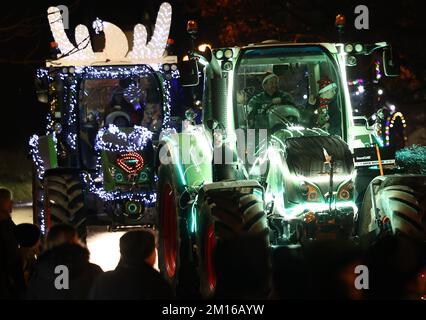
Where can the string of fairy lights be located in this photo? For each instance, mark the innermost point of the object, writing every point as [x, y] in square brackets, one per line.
[74, 65]
[148, 198]
[35, 155]
[136, 140]
[114, 140]
[389, 121]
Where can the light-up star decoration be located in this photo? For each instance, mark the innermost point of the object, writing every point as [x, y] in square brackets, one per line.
[116, 50]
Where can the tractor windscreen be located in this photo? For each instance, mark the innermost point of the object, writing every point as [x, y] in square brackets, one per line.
[123, 102]
[310, 156]
[295, 85]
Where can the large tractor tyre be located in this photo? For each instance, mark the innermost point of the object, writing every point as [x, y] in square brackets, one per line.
[64, 202]
[226, 215]
[401, 208]
[174, 247]
[405, 209]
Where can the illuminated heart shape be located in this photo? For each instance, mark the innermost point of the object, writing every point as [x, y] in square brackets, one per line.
[131, 162]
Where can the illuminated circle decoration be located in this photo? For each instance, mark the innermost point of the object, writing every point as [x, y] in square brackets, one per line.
[130, 162]
[133, 208]
[119, 177]
[143, 176]
[390, 121]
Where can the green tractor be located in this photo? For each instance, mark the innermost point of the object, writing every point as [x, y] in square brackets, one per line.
[95, 164]
[278, 155]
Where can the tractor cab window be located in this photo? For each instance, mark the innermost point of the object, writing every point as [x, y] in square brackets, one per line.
[293, 86]
[123, 102]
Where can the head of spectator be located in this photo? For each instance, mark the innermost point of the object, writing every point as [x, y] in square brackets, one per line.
[28, 237]
[6, 203]
[60, 234]
[137, 247]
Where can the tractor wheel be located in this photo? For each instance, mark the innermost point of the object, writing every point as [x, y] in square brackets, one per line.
[174, 247]
[401, 205]
[405, 207]
[64, 202]
[226, 215]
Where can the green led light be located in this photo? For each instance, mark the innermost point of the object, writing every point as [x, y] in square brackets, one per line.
[133, 208]
[179, 167]
[119, 177]
[143, 176]
[194, 216]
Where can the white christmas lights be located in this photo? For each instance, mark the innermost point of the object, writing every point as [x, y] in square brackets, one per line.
[35, 154]
[148, 198]
[116, 45]
[112, 139]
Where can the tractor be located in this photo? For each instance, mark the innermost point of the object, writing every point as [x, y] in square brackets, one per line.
[95, 163]
[291, 170]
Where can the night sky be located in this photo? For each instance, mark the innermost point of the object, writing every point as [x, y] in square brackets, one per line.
[25, 38]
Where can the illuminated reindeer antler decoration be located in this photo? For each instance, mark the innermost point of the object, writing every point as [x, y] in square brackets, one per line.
[116, 44]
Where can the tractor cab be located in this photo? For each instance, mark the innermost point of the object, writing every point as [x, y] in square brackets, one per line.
[279, 86]
[106, 111]
[295, 98]
[123, 102]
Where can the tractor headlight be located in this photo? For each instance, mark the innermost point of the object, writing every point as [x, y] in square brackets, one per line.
[309, 191]
[359, 47]
[227, 66]
[219, 54]
[228, 53]
[345, 191]
[349, 48]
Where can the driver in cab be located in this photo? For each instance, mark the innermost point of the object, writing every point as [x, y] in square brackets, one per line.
[259, 105]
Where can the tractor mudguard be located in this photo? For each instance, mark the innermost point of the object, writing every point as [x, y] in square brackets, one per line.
[190, 156]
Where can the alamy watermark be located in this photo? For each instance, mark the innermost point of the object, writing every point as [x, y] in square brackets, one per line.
[362, 281]
[65, 15]
[249, 146]
[362, 20]
[62, 281]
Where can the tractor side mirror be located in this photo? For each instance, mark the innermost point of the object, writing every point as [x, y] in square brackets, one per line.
[189, 73]
[390, 63]
[41, 91]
